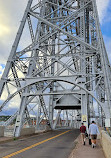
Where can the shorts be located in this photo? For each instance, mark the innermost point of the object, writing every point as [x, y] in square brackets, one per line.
[82, 133]
[93, 136]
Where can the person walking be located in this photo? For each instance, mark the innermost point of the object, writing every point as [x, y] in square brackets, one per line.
[93, 131]
[83, 130]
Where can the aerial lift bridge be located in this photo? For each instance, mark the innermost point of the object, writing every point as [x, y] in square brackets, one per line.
[58, 66]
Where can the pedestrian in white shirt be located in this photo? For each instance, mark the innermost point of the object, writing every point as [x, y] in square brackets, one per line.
[93, 131]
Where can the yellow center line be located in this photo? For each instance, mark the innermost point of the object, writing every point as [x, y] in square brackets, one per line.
[34, 145]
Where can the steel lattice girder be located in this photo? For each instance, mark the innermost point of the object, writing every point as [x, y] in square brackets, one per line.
[66, 59]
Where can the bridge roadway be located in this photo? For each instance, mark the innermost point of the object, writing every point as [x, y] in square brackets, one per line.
[53, 144]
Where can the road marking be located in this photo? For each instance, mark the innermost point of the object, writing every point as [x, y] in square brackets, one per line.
[34, 145]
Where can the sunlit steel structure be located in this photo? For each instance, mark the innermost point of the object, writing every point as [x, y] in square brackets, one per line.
[58, 65]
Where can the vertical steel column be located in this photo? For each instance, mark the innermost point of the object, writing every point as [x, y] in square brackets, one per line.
[84, 105]
[51, 102]
[104, 61]
[20, 117]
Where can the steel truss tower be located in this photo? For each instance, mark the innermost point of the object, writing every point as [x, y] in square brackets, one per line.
[58, 64]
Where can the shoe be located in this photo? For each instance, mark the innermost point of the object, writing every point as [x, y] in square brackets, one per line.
[92, 145]
[84, 142]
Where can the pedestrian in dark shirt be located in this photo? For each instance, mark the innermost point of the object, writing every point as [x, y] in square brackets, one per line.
[83, 130]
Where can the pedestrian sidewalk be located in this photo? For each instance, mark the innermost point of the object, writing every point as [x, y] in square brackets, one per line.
[86, 151]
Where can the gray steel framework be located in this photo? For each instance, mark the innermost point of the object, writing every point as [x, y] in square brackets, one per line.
[61, 69]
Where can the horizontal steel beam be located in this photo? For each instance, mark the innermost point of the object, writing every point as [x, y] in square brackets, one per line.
[54, 93]
[63, 31]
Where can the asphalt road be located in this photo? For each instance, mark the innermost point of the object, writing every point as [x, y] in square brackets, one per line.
[53, 144]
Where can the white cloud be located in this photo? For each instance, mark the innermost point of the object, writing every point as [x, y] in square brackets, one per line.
[102, 9]
[1, 69]
[4, 29]
[13, 105]
[10, 16]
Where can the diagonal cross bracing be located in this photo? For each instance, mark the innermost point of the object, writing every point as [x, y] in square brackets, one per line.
[63, 65]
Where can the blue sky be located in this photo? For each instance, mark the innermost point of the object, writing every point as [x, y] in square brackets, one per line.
[106, 23]
[106, 28]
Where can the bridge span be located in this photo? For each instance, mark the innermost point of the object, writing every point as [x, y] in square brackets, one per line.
[61, 143]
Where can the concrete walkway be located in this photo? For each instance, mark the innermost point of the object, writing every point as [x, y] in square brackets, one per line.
[86, 151]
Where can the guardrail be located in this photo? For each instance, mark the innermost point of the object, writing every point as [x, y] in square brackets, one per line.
[1, 131]
[106, 143]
